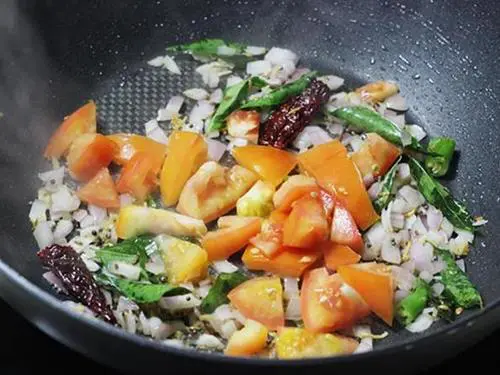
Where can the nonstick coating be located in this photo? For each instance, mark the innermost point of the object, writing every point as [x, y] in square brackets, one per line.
[57, 54]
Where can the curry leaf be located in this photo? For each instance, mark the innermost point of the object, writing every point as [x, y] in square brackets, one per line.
[384, 195]
[217, 295]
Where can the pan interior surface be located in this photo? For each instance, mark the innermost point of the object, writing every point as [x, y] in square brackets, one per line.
[433, 51]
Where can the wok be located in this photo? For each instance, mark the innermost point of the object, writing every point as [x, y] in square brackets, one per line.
[57, 54]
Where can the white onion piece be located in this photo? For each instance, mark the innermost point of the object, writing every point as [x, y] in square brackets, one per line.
[390, 253]
[43, 234]
[209, 342]
[128, 271]
[157, 62]
[89, 263]
[125, 304]
[223, 312]
[465, 235]
[412, 196]
[396, 102]
[373, 241]
[297, 74]
[423, 322]
[63, 228]
[458, 246]
[203, 290]
[126, 200]
[255, 50]
[403, 277]
[202, 110]
[228, 329]
[52, 179]
[79, 215]
[461, 264]
[374, 190]
[196, 94]
[400, 295]
[154, 132]
[171, 65]
[233, 80]
[399, 206]
[177, 303]
[403, 173]
[409, 266]
[211, 72]
[215, 149]
[98, 213]
[236, 142]
[434, 218]
[365, 334]
[278, 55]
[336, 129]
[416, 131]
[446, 227]
[155, 264]
[172, 108]
[225, 50]
[333, 82]
[63, 200]
[223, 266]
[418, 228]
[426, 276]
[356, 143]
[422, 254]
[259, 67]
[437, 289]
[438, 265]
[291, 287]
[175, 343]
[130, 322]
[55, 282]
[436, 238]
[292, 311]
[216, 96]
[396, 118]
[282, 72]
[38, 211]
[311, 136]
[385, 218]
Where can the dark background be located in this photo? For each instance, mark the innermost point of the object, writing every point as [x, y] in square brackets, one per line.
[45, 355]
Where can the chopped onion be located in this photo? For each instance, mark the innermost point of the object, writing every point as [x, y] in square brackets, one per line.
[416, 131]
[62, 229]
[297, 74]
[479, 221]
[333, 82]
[203, 290]
[223, 313]
[365, 334]
[55, 282]
[259, 67]
[177, 303]
[278, 55]
[211, 72]
[311, 136]
[98, 213]
[216, 96]
[172, 108]
[128, 271]
[438, 265]
[436, 238]
[52, 179]
[215, 149]
[293, 309]
[236, 142]
[126, 200]
[224, 50]
[155, 264]
[412, 196]
[397, 119]
[43, 234]
[437, 289]
[386, 218]
[38, 211]
[223, 266]
[374, 190]
[458, 246]
[63, 200]
[434, 218]
[403, 173]
[409, 266]
[390, 252]
[157, 62]
[90, 264]
[209, 342]
[400, 294]
[228, 329]
[356, 143]
[202, 110]
[403, 277]
[174, 343]
[461, 264]
[418, 228]
[196, 94]
[335, 129]
[291, 287]
[373, 241]
[233, 80]
[154, 132]
[426, 276]
[255, 50]
[282, 71]
[423, 322]
[130, 322]
[465, 235]
[171, 65]
[125, 304]
[144, 325]
[446, 227]
[396, 102]
[422, 254]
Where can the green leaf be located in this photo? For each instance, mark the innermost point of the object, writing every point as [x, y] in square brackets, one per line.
[458, 289]
[366, 120]
[209, 48]
[438, 166]
[140, 292]
[280, 94]
[385, 195]
[151, 202]
[126, 251]
[217, 295]
[440, 197]
[412, 305]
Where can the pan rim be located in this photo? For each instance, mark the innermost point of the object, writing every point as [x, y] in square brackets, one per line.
[42, 296]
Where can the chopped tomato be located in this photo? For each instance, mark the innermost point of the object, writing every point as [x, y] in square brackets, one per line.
[187, 151]
[260, 299]
[328, 203]
[328, 304]
[249, 340]
[214, 190]
[244, 124]
[270, 239]
[365, 161]
[383, 152]
[232, 221]
[271, 164]
[88, 154]
[82, 121]
[338, 255]
[286, 262]
[137, 177]
[100, 191]
[223, 243]
[344, 229]
[375, 285]
[377, 91]
[130, 144]
[306, 226]
[292, 189]
[297, 343]
[338, 175]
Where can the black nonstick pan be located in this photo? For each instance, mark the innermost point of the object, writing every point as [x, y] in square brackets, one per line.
[56, 54]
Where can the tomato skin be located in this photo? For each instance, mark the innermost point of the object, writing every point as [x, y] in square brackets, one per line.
[187, 151]
[327, 304]
[131, 144]
[286, 262]
[374, 283]
[260, 299]
[344, 229]
[336, 255]
[306, 226]
[137, 178]
[249, 340]
[82, 121]
[88, 154]
[376, 156]
[271, 164]
[223, 243]
[100, 191]
[292, 189]
[270, 238]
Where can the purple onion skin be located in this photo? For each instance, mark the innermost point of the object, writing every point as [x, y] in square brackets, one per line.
[291, 117]
[67, 265]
